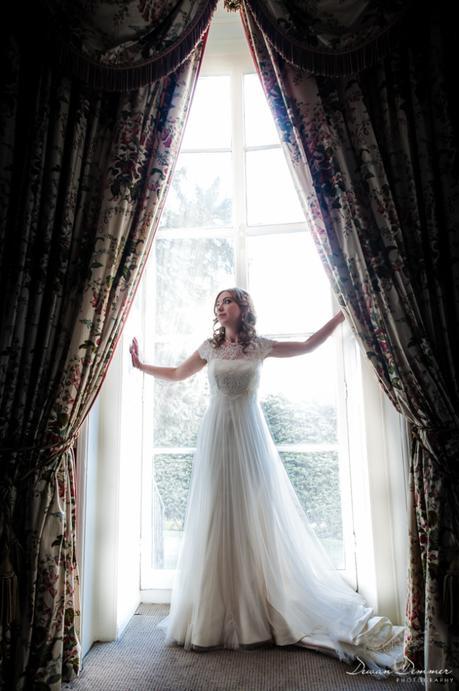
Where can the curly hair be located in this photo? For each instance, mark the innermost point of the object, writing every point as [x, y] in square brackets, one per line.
[247, 332]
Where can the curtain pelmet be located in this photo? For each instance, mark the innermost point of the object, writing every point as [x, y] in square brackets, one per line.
[119, 46]
[330, 39]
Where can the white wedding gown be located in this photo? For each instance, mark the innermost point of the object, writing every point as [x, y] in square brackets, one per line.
[250, 568]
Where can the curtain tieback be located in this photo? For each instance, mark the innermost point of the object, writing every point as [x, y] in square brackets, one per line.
[8, 591]
[450, 599]
[55, 450]
[436, 430]
[442, 442]
[450, 593]
[8, 578]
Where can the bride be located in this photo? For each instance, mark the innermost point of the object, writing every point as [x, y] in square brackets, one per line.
[251, 569]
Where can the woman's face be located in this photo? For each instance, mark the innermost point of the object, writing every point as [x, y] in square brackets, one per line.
[227, 310]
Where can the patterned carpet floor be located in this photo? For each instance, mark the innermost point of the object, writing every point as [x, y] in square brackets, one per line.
[139, 661]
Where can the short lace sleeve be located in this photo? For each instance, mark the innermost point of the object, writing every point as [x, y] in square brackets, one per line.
[265, 346]
[204, 350]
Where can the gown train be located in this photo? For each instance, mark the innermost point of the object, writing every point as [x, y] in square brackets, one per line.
[251, 569]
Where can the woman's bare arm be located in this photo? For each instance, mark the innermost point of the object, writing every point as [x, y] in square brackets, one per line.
[186, 369]
[292, 348]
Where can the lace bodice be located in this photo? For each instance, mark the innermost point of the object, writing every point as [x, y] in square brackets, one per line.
[231, 372]
[257, 350]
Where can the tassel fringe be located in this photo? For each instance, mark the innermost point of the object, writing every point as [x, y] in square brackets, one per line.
[125, 77]
[320, 61]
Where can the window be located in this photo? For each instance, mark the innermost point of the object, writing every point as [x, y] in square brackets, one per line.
[233, 218]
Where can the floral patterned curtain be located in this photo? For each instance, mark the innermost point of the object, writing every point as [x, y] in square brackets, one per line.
[119, 45]
[83, 179]
[374, 156]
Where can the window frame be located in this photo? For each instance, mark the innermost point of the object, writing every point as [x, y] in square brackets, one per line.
[236, 66]
[109, 475]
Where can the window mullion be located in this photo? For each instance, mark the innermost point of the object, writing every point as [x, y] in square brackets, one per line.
[239, 192]
[207, 150]
[263, 147]
[277, 229]
[195, 233]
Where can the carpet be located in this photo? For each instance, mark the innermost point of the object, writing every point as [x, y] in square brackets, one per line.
[139, 661]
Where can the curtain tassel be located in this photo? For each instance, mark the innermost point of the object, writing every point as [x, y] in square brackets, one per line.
[8, 592]
[232, 5]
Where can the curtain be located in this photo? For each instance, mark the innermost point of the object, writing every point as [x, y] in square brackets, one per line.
[374, 155]
[83, 179]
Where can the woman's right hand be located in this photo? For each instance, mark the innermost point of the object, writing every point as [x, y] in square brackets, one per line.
[134, 350]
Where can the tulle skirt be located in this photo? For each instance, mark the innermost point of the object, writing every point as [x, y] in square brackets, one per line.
[251, 569]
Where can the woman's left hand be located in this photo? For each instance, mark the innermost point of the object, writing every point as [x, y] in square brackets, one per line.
[134, 350]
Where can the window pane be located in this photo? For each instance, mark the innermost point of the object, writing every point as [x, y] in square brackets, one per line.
[178, 406]
[171, 484]
[259, 123]
[271, 196]
[189, 274]
[201, 192]
[209, 122]
[288, 283]
[315, 477]
[298, 396]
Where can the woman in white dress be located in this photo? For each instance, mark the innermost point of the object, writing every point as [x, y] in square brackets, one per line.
[251, 569]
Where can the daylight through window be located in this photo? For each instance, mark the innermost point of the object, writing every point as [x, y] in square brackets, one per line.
[233, 218]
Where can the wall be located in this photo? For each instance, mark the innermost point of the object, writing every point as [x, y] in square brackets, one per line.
[109, 487]
[381, 501]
